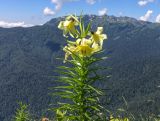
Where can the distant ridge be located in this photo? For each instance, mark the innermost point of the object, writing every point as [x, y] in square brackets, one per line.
[28, 58]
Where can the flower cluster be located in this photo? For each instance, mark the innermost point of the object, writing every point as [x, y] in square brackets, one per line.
[87, 42]
[68, 26]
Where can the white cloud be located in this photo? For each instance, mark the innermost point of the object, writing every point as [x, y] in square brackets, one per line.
[146, 16]
[144, 2]
[158, 19]
[59, 3]
[58, 6]
[48, 12]
[5, 24]
[91, 1]
[102, 11]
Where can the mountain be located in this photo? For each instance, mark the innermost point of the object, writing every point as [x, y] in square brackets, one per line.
[28, 60]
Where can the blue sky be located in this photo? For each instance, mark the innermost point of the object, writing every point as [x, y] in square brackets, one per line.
[35, 12]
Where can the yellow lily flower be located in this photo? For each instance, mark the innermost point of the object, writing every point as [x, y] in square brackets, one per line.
[84, 50]
[68, 26]
[81, 47]
[76, 21]
[70, 49]
[98, 37]
[96, 47]
[84, 41]
[84, 47]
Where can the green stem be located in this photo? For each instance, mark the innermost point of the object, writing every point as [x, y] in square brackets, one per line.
[82, 99]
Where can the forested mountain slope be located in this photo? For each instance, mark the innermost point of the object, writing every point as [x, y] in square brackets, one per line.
[28, 60]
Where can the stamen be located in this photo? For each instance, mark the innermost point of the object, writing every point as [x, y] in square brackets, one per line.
[92, 32]
[72, 19]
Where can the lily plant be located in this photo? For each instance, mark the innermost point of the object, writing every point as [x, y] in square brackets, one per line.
[79, 94]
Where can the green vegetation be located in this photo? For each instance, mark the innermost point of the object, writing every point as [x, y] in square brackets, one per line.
[28, 58]
[22, 113]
